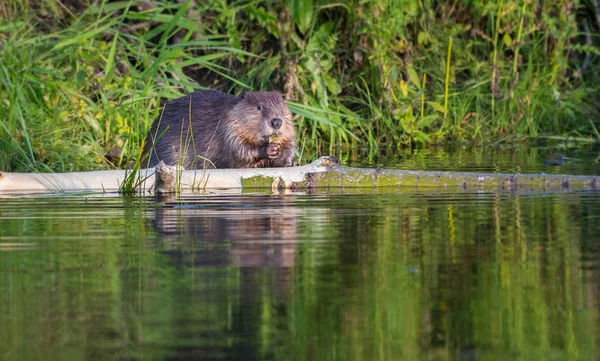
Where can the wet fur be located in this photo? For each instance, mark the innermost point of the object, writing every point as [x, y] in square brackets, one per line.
[225, 131]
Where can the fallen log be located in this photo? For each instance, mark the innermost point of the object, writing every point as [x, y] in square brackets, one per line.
[325, 172]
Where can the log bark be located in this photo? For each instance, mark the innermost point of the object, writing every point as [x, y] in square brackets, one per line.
[323, 173]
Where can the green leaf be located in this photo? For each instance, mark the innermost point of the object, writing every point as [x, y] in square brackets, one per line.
[110, 62]
[426, 121]
[437, 106]
[164, 57]
[178, 15]
[422, 137]
[412, 75]
[81, 36]
[108, 8]
[204, 60]
[302, 12]
[320, 110]
[306, 112]
[318, 39]
[423, 38]
[332, 85]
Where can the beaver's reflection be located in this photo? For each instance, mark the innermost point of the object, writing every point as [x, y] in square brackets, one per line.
[242, 231]
[229, 262]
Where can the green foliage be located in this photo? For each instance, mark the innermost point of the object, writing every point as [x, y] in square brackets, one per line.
[77, 80]
[302, 13]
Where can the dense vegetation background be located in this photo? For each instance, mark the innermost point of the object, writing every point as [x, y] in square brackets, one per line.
[82, 80]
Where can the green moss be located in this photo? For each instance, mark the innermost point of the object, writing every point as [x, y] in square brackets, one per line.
[258, 182]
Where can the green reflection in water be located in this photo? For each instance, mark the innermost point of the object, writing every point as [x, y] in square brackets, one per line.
[364, 276]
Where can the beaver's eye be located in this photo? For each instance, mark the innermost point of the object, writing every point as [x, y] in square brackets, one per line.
[259, 107]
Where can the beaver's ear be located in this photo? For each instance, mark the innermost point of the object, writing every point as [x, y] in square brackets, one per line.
[243, 95]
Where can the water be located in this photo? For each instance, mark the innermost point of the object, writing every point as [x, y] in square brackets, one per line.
[508, 159]
[355, 275]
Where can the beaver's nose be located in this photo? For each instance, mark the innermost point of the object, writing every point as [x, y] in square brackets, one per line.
[276, 123]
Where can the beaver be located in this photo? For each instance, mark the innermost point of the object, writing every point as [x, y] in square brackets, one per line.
[210, 128]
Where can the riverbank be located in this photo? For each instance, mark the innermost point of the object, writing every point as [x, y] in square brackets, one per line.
[80, 84]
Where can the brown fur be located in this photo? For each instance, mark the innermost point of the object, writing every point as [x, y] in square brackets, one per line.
[225, 131]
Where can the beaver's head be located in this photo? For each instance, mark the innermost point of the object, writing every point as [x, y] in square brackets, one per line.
[260, 116]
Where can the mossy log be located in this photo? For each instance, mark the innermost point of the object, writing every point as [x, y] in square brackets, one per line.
[322, 173]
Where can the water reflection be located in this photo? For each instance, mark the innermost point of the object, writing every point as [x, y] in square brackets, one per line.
[557, 158]
[259, 231]
[324, 276]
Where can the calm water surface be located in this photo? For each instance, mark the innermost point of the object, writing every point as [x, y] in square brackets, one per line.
[359, 275]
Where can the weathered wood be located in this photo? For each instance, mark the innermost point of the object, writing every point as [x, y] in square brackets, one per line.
[340, 176]
[324, 172]
[185, 180]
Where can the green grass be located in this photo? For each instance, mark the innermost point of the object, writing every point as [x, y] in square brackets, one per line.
[77, 80]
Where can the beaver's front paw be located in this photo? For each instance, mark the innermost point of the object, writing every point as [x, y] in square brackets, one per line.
[273, 150]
